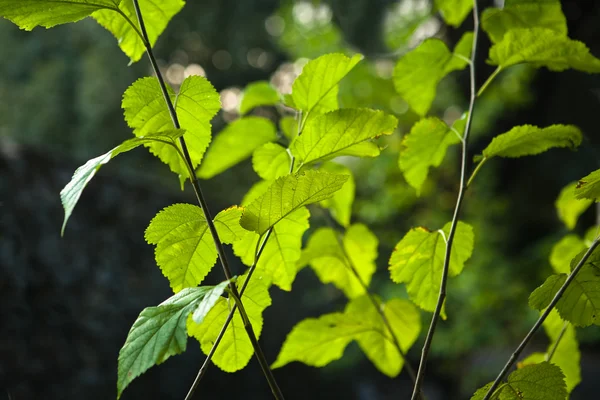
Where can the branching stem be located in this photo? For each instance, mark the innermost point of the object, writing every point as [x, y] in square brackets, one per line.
[541, 319]
[461, 192]
[202, 201]
[260, 246]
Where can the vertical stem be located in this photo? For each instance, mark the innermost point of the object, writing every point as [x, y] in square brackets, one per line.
[540, 321]
[461, 192]
[202, 201]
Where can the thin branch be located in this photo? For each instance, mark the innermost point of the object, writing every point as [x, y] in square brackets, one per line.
[557, 341]
[540, 321]
[374, 301]
[215, 345]
[461, 192]
[260, 247]
[202, 201]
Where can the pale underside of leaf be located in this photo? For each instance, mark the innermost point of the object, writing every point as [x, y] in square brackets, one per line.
[235, 350]
[71, 193]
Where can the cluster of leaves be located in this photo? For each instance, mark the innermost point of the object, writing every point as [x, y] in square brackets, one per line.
[297, 158]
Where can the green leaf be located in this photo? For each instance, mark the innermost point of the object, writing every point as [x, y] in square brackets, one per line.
[570, 208]
[529, 140]
[115, 15]
[208, 302]
[317, 342]
[418, 72]
[589, 187]
[543, 381]
[277, 263]
[340, 204]
[331, 134]
[271, 161]
[235, 350]
[27, 14]
[333, 264]
[418, 261]
[258, 94]
[318, 82]
[196, 104]
[235, 143]
[580, 303]
[185, 249]
[71, 193]
[521, 14]
[566, 353]
[377, 343]
[424, 147]
[564, 251]
[289, 127]
[156, 14]
[257, 190]
[454, 12]
[158, 333]
[542, 47]
[286, 195]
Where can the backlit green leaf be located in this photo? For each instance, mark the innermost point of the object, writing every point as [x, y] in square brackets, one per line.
[331, 134]
[277, 263]
[208, 302]
[589, 187]
[418, 261]
[529, 140]
[115, 15]
[454, 12]
[543, 47]
[235, 143]
[377, 343]
[156, 14]
[521, 14]
[258, 94]
[286, 195]
[235, 350]
[289, 127]
[418, 72]
[196, 104]
[340, 204]
[185, 249]
[580, 303]
[570, 208]
[566, 353]
[424, 147]
[84, 174]
[319, 81]
[564, 251]
[317, 342]
[271, 161]
[157, 334]
[333, 264]
[543, 381]
[28, 14]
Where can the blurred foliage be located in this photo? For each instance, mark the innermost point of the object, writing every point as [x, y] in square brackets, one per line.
[67, 304]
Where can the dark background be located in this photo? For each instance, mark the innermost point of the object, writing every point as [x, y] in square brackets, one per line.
[68, 303]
